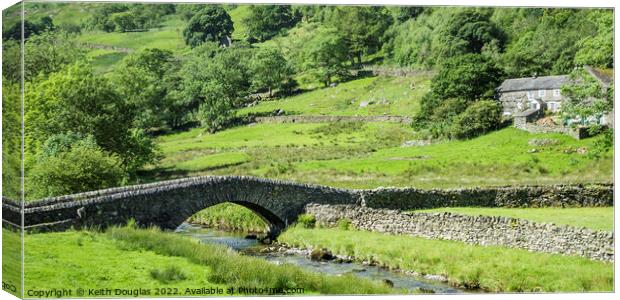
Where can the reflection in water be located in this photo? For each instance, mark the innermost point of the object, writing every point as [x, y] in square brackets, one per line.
[237, 241]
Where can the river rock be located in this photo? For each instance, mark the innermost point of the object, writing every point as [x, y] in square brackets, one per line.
[388, 282]
[436, 277]
[321, 254]
[424, 290]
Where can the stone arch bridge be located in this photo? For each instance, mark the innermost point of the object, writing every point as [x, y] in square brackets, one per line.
[167, 204]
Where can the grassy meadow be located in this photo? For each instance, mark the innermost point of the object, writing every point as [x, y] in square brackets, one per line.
[387, 95]
[127, 258]
[369, 155]
[492, 268]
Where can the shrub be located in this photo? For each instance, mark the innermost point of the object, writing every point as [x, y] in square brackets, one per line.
[66, 169]
[171, 273]
[479, 118]
[306, 220]
[344, 224]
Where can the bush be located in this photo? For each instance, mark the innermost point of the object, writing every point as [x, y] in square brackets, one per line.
[479, 118]
[436, 117]
[171, 273]
[66, 169]
[344, 224]
[306, 221]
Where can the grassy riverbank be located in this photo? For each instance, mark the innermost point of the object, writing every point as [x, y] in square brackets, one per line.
[597, 218]
[127, 258]
[492, 268]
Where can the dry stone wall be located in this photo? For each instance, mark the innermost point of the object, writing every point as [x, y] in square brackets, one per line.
[579, 195]
[478, 230]
[330, 119]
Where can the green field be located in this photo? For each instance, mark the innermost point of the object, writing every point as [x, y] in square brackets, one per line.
[388, 95]
[169, 36]
[61, 13]
[128, 258]
[492, 268]
[369, 155]
[269, 149]
[237, 14]
[503, 157]
[597, 218]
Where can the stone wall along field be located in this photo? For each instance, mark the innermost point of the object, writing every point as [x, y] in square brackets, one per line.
[478, 230]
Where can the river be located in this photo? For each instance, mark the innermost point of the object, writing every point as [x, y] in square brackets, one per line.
[237, 241]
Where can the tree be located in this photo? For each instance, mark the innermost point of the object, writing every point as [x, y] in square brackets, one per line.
[216, 79]
[411, 43]
[470, 76]
[468, 31]
[265, 21]
[127, 17]
[325, 54]
[269, 69]
[585, 97]
[77, 100]
[212, 23]
[143, 80]
[100, 17]
[217, 107]
[597, 50]
[11, 139]
[479, 118]
[50, 52]
[549, 45]
[30, 29]
[404, 13]
[460, 82]
[126, 21]
[362, 28]
[439, 34]
[11, 61]
[70, 165]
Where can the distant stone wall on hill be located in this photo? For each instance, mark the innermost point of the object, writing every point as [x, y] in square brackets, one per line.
[329, 119]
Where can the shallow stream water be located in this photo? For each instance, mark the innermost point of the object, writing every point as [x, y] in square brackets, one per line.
[237, 241]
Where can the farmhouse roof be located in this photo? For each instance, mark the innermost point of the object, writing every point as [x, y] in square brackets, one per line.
[533, 83]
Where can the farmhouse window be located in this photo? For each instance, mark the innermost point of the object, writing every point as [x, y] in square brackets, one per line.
[556, 92]
[541, 93]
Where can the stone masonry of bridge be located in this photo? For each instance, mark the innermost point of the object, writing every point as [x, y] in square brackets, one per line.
[167, 204]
